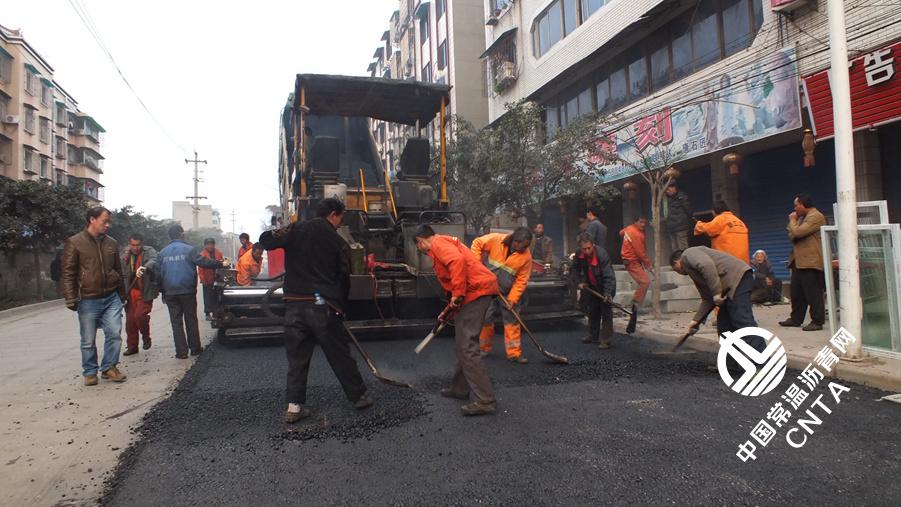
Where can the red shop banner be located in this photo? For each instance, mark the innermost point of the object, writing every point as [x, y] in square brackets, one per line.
[875, 92]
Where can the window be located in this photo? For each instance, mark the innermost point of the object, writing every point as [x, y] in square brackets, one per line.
[31, 82]
[424, 27]
[4, 105]
[60, 177]
[602, 94]
[736, 25]
[45, 130]
[681, 49]
[27, 160]
[660, 68]
[442, 55]
[440, 7]
[544, 35]
[555, 23]
[6, 151]
[638, 76]
[6, 64]
[45, 167]
[553, 122]
[589, 7]
[570, 16]
[46, 96]
[619, 91]
[29, 119]
[570, 112]
[73, 155]
[705, 37]
[427, 73]
[585, 105]
[61, 148]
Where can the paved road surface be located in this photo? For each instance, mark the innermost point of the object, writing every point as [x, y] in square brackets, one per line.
[616, 427]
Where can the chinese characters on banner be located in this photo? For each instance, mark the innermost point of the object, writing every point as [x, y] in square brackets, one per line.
[743, 105]
[875, 92]
[779, 414]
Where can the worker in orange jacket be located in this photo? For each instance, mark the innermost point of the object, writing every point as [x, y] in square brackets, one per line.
[509, 258]
[635, 257]
[727, 232]
[472, 288]
[250, 264]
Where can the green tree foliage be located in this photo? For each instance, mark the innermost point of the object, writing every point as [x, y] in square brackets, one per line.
[126, 221]
[474, 184]
[37, 217]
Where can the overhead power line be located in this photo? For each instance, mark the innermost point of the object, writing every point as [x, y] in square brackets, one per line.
[82, 11]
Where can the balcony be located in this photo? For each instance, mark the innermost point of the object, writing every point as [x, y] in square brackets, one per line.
[91, 189]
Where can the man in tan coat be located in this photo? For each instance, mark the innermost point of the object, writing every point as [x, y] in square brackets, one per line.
[806, 264]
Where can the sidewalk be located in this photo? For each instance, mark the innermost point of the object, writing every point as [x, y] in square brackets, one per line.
[800, 346]
[60, 439]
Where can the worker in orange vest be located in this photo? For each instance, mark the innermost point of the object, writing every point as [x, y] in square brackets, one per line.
[727, 232]
[249, 265]
[635, 257]
[508, 257]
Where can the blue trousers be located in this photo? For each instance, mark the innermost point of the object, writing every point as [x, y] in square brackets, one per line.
[105, 313]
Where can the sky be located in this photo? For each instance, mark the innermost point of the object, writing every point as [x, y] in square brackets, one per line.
[215, 74]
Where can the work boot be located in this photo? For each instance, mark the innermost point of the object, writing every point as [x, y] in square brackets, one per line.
[518, 360]
[450, 393]
[813, 327]
[181, 356]
[90, 380]
[363, 402]
[479, 408]
[113, 374]
[130, 351]
[589, 339]
[147, 343]
[604, 345]
[197, 351]
[293, 417]
[789, 323]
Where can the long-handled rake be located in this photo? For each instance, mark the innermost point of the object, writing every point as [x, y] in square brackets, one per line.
[550, 355]
[372, 368]
[633, 313]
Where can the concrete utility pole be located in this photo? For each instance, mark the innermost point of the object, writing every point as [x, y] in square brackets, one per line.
[196, 197]
[234, 252]
[850, 304]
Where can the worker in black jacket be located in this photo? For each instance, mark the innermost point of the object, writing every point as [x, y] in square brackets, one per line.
[317, 281]
[593, 269]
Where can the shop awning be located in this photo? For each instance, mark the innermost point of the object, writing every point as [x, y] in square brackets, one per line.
[497, 42]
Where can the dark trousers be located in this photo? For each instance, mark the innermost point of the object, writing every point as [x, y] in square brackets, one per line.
[183, 316]
[470, 374]
[736, 313]
[600, 316]
[307, 324]
[209, 298]
[807, 289]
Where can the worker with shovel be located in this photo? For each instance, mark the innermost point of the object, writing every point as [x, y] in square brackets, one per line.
[725, 282]
[317, 282]
[592, 269]
[472, 288]
[508, 257]
[635, 257]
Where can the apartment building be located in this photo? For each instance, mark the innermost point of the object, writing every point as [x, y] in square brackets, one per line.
[207, 216]
[721, 89]
[43, 134]
[436, 41]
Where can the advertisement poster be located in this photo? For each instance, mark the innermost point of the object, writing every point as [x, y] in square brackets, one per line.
[732, 108]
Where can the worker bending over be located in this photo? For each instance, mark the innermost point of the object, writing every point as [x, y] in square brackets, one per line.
[508, 257]
[249, 265]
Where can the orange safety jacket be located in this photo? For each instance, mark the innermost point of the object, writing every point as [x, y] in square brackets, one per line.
[458, 271]
[727, 234]
[248, 267]
[512, 269]
[634, 248]
[208, 275]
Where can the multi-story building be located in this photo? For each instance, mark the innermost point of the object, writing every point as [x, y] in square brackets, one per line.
[207, 216]
[43, 135]
[722, 89]
[436, 41]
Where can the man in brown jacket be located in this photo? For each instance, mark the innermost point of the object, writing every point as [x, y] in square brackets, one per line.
[806, 264]
[93, 287]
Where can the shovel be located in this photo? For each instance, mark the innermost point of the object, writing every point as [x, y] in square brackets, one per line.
[439, 326]
[633, 314]
[550, 355]
[691, 332]
[372, 368]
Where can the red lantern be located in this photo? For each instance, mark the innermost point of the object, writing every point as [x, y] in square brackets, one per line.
[631, 189]
[733, 162]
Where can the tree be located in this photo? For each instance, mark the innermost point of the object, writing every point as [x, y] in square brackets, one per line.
[126, 221]
[38, 217]
[473, 182]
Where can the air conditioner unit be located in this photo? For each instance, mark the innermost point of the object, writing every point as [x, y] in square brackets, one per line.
[11, 119]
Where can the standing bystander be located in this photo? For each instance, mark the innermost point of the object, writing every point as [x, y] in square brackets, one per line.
[806, 263]
[208, 276]
[677, 217]
[140, 291]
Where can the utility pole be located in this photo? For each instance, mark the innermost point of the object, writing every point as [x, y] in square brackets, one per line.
[196, 197]
[850, 304]
[234, 252]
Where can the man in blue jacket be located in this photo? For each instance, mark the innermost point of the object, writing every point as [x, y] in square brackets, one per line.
[176, 267]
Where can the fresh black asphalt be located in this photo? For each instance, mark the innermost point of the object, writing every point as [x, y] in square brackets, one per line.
[622, 426]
